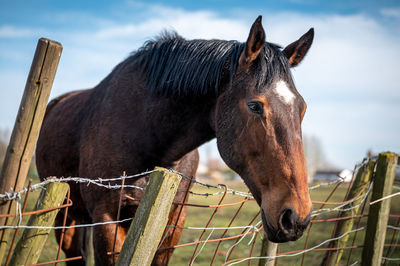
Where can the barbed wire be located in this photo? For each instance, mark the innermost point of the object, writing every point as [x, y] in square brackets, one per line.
[229, 191]
[246, 194]
[97, 181]
[12, 195]
[348, 205]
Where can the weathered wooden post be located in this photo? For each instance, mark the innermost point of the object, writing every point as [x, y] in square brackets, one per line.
[27, 126]
[268, 249]
[150, 220]
[30, 245]
[358, 189]
[379, 213]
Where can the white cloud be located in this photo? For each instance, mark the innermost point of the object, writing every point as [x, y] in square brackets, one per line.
[349, 128]
[349, 74]
[8, 31]
[99, 50]
[391, 12]
[197, 24]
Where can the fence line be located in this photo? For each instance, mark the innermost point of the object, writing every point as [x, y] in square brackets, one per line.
[98, 182]
[12, 195]
[44, 66]
[250, 229]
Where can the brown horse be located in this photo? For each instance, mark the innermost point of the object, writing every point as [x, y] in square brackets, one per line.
[160, 104]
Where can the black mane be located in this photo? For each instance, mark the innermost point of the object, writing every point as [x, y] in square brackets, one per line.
[175, 66]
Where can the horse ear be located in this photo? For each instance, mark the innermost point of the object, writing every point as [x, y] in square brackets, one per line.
[296, 51]
[254, 44]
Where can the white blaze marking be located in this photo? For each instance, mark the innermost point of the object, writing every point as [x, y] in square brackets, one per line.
[283, 91]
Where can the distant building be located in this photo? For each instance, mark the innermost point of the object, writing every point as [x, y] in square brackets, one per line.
[326, 175]
[216, 170]
[333, 175]
[346, 174]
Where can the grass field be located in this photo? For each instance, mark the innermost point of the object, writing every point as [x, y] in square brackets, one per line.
[319, 232]
[198, 217]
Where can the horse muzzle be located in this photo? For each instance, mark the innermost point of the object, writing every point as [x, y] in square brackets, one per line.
[290, 228]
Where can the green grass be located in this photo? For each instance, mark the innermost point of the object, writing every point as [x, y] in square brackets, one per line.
[319, 231]
[198, 217]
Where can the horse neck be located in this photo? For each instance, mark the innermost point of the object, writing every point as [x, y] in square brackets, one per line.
[182, 125]
[168, 127]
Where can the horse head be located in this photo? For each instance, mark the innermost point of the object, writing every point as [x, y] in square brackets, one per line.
[257, 122]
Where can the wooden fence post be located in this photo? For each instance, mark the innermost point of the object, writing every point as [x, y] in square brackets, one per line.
[27, 126]
[32, 241]
[268, 249]
[379, 213]
[150, 220]
[358, 189]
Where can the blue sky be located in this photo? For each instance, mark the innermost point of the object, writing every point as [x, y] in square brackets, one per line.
[349, 78]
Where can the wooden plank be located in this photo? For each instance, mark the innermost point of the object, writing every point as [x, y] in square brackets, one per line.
[358, 189]
[379, 213]
[27, 126]
[268, 249]
[151, 217]
[32, 241]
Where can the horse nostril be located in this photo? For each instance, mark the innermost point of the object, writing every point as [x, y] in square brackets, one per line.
[287, 221]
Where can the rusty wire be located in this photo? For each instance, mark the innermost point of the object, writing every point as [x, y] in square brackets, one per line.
[208, 223]
[223, 236]
[118, 214]
[356, 233]
[226, 230]
[16, 230]
[23, 213]
[311, 223]
[64, 223]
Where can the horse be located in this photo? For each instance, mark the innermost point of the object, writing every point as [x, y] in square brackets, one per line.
[157, 107]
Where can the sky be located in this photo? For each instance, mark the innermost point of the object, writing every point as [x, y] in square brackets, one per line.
[349, 78]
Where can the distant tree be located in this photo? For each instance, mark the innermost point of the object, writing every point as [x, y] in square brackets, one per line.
[315, 156]
[4, 138]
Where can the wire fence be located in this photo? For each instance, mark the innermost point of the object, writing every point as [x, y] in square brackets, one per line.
[224, 227]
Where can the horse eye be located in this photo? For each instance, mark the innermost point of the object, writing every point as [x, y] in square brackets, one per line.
[256, 107]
